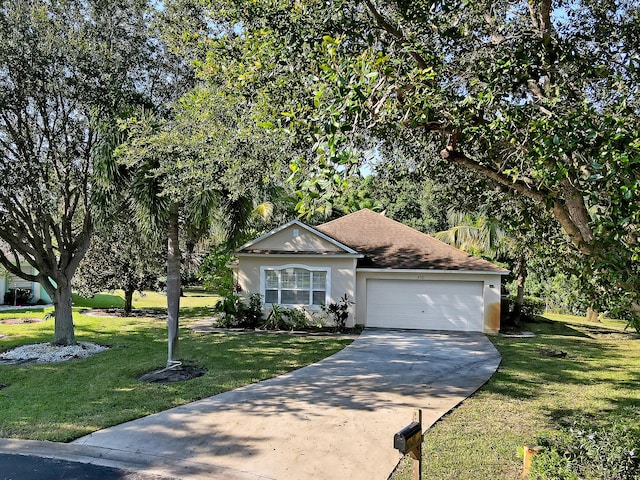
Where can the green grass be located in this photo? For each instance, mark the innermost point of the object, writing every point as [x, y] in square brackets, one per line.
[533, 393]
[192, 298]
[63, 401]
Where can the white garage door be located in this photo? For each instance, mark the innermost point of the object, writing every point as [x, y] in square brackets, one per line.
[431, 305]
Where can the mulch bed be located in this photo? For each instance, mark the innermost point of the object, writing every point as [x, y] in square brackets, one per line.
[180, 373]
[119, 312]
[20, 321]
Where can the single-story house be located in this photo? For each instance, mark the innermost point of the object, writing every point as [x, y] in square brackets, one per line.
[10, 282]
[395, 276]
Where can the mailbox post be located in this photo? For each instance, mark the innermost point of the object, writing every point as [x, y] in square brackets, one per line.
[408, 441]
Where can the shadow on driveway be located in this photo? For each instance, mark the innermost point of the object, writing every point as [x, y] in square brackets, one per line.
[333, 419]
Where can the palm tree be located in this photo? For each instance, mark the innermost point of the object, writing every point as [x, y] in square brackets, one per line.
[483, 236]
[479, 235]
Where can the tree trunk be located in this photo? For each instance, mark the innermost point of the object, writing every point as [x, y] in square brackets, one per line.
[592, 315]
[516, 314]
[63, 331]
[173, 283]
[128, 300]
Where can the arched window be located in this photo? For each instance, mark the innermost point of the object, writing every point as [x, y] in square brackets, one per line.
[295, 285]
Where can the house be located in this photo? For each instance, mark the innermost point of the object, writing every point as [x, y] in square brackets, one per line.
[11, 282]
[395, 276]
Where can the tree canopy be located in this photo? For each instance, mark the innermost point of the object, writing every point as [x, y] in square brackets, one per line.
[537, 97]
[68, 70]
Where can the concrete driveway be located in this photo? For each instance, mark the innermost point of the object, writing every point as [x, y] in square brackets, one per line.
[331, 420]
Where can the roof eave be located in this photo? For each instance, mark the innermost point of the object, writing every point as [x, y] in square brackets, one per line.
[427, 270]
[309, 229]
[284, 253]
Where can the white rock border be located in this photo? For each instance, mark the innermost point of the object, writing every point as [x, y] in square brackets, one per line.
[48, 353]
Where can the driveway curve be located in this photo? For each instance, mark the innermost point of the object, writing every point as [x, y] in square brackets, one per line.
[331, 420]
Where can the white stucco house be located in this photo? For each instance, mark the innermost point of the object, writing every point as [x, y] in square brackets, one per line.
[395, 276]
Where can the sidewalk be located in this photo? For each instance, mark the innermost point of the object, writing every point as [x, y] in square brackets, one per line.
[24, 307]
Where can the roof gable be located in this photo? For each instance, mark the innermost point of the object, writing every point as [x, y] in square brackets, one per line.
[296, 237]
[388, 244]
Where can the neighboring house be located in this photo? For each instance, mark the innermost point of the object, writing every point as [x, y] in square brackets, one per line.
[8, 281]
[395, 276]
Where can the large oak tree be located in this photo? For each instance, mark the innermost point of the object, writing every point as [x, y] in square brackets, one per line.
[539, 97]
[68, 69]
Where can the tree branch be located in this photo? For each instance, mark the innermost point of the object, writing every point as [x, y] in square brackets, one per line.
[15, 270]
[387, 27]
[570, 211]
[521, 187]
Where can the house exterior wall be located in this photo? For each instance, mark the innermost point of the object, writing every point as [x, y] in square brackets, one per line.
[9, 281]
[295, 238]
[3, 285]
[491, 290]
[341, 273]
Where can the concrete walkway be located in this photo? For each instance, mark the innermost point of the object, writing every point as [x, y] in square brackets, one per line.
[331, 420]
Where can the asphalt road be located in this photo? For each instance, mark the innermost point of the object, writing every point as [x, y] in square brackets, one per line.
[25, 467]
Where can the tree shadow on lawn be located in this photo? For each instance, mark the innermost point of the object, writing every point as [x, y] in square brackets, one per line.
[155, 312]
[558, 354]
[196, 312]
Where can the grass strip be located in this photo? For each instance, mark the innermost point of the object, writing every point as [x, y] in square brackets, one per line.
[66, 400]
[534, 392]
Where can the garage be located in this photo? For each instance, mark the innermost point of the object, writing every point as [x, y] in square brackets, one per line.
[431, 305]
[392, 275]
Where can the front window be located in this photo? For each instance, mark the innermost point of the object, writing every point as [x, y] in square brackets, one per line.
[295, 286]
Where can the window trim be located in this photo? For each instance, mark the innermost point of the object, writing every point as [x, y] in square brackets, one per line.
[263, 284]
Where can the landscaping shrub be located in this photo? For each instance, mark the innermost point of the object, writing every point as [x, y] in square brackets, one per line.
[285, 319]
[339, 311]
[17, 296]
[296, 318]
[252, 314]
[590, 452]
[215, 274]
[275, 319]
[234, 312]
[532, 306]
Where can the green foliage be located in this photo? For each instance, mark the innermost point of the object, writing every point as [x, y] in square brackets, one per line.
[408, 195]
[339, 311]
[296, 318]
[512, 92]
[18, 296]
[120, 257]
[276, 320]
[280, 318]
[532, 306]
[476, 234]
[235, 311]
[562, 292]
[215, 274]
[253, 314]
[552, 465]
[634, 322]
[590, 451]
[70, 71]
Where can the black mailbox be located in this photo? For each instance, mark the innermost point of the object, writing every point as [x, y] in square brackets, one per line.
[409, 438]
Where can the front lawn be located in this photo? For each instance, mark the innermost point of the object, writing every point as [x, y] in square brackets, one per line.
[66, 400]
[192, 298]
[534, 392]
